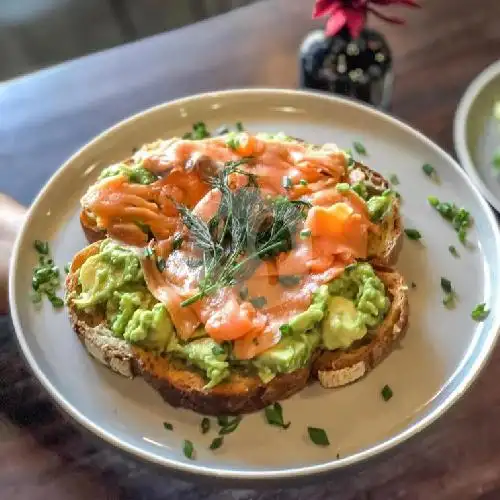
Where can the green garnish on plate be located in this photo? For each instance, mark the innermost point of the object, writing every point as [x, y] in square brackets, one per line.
[449, 294]
[453, 251]
[205, 423]
[46, 278]
[274, 415]
[393, 179]
[386, 393]
[188, 449]
[459, 218]
[480, 312]
[430, 172]
[413, 234]
[359, 148]
[318, 436]
[168, 426]
[217, 443]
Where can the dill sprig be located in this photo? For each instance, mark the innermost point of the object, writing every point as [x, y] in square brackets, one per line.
[245, 230]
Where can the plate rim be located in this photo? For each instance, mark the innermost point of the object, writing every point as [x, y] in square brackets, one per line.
[270, 475]
[475, 87]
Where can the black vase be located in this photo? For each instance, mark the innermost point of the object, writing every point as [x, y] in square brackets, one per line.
[360, 68]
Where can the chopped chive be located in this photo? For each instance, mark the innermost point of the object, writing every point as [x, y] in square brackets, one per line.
[222, 420]
[56, 301]
[161, 265]
[67, 268]
[359, 148]
[286, 182]
[446, 285]
[305, 233]
[231, 426]
[274, 415]
[318, 436]
[393, 179]
[258, 302]
[413, 284]
[42, 247]
[239, 127]
[413, 234]
[430, 171]
[289, 280]
[303, 182]
[453, 251]
[217, 443]
[205, 425]
[480, 312]
[168, 426]
[188, 449]
[386, 393]
[433, 201]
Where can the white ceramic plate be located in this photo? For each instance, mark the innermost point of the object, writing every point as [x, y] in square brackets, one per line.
[477, 132]
[442, 353]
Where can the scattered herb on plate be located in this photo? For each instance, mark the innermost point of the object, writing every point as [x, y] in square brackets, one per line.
[228, 425]
[168, 426]
[393, 179]
[274, 415]
[217, 443]
[359, 148]
[318, 436]
[430, 172]
[480, 312]
[413, 284]
[459, 218]
[386, 393]
[205, 423]
[413, 234]
[46, 278]
[450, 296]
[188, 449]
[453, 251]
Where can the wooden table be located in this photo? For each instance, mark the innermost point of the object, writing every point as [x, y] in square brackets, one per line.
[47, 116]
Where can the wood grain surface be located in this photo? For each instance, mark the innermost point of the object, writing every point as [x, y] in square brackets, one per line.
[46, 116]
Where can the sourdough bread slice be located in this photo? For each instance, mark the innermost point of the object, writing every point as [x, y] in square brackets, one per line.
[341, 367]
[178, 383]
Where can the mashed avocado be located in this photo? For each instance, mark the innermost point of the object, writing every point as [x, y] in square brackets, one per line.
[288, 355]
[314, 314]
[206, 355]
[380, 206]
[135, 173]
[113, 279]
[357, 302]
[102, 274]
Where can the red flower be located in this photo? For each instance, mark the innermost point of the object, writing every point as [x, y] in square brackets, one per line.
[352, 13]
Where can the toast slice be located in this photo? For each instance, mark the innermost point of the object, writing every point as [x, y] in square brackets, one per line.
[342, 367]
[383, 248]
[177, 382]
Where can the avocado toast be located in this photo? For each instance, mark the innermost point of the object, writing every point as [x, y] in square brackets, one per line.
[227, 286]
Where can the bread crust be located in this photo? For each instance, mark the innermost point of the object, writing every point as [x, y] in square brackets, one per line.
[338, 368]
